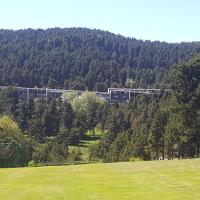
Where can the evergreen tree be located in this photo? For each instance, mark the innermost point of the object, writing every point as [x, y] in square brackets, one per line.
[50, 120]
[67, 116]
[156, 136]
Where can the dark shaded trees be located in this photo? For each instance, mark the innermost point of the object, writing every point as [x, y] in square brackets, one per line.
[166, 125]
[80, 58]
[186, 80]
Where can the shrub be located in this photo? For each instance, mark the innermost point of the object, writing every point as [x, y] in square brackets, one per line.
[32, 163]
[134, 159]
[75, 155]
[15, 148]
[50, 152]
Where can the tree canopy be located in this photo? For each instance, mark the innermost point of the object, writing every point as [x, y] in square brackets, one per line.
[80, 58]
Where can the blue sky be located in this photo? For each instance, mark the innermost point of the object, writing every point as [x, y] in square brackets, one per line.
[164, 20]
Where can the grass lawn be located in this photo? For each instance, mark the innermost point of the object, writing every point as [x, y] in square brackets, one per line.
[153, 180]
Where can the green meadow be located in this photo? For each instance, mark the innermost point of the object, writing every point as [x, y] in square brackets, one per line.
[150, 180]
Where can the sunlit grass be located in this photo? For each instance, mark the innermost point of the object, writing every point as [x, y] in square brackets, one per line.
[156, 180]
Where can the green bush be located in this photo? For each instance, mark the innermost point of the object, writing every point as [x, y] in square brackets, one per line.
[95, 132]
[134, 159]
[75, 155]
[50, 152]
[32, 163]
[15, 148]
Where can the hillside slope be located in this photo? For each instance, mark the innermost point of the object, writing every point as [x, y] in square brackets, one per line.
[80, 58]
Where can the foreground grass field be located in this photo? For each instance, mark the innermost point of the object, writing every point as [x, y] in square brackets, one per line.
[156, 180]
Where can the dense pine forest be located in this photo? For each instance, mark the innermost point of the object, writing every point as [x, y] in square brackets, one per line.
[37, 132]
[79, 58]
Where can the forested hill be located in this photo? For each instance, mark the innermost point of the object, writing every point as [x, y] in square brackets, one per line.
[80, 58]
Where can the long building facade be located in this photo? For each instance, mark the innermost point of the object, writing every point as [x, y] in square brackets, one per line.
[112, 95]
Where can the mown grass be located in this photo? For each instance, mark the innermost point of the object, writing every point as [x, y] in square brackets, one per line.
[153, 180]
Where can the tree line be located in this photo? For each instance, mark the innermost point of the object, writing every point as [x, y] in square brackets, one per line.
[85, 59]
[46, 127]
[168, 127]
[147, 127]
